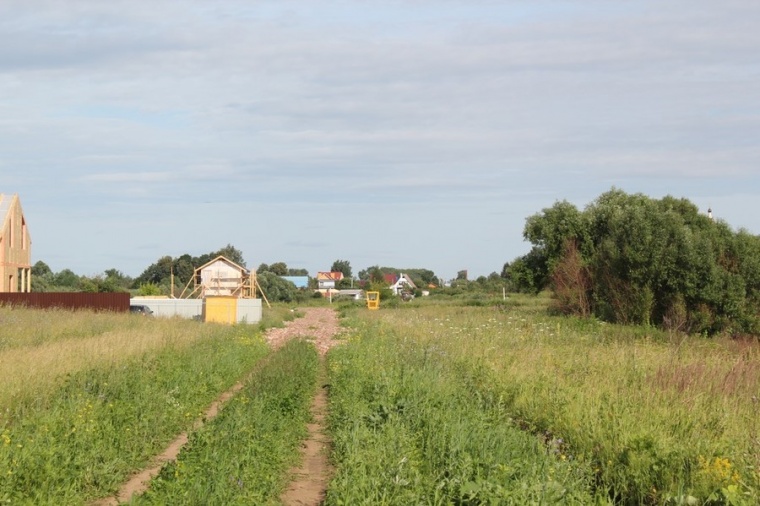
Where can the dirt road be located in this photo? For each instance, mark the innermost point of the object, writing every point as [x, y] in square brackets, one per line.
[319, 325]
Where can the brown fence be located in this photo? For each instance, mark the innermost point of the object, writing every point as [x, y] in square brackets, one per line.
[92, 301]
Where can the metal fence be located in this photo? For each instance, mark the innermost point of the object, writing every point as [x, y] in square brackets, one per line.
[118, 302]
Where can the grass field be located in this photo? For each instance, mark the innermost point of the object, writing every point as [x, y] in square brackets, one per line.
[461, 401]
[88, 398]
[243, 456]
[644, 417]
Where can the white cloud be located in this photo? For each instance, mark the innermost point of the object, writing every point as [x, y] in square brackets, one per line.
[498, 107]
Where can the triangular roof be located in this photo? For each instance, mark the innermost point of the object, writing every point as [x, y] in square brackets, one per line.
[330, 276]
[5, 208]
[6, 204]
[224, 259]
[391, 279]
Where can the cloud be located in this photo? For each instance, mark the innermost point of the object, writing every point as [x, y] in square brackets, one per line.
[412, 108]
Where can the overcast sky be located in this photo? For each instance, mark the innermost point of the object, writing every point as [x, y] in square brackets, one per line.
[413, 133]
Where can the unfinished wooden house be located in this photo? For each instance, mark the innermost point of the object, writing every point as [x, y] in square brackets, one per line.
[15, 247]
[221, 277]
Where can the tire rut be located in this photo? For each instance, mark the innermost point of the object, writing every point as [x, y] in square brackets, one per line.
[318, 325]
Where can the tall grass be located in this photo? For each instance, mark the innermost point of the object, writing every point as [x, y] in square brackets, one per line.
[407, 430]
[242, 457]
[99, 406]
[656, 419]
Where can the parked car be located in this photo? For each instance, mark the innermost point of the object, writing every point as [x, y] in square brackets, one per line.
[141, 309]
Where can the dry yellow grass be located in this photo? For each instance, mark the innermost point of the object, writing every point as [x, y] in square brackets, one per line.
[38, 347]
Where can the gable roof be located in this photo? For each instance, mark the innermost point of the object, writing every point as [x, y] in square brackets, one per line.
[403, 279]
[329, 276]
[223, 259]
[7, 203]
[391, 279]
[5, 208]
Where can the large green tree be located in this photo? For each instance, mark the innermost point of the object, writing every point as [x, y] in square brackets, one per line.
[343, 266]
[633, 259]
[275, 288]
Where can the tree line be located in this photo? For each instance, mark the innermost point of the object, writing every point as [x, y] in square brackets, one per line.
[158, 277]
[632, 259]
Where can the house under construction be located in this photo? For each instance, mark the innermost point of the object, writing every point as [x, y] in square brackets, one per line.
[15, 247]
[221, 277]
[220, 291]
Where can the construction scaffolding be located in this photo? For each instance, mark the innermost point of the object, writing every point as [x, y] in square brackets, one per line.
[222, 277]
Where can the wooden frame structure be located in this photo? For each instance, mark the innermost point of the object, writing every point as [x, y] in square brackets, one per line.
[221, 277]
[15, 247]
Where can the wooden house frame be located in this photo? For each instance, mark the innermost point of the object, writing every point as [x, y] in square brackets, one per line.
[15, 247]
[221, 277]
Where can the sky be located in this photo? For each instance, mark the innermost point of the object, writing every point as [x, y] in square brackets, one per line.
[409, 134]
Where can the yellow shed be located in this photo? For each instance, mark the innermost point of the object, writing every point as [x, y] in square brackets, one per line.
[220, 309]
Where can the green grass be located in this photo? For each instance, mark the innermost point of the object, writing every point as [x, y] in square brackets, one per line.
[408, 430]
[652, 418]
[243, 455]
[80, 434]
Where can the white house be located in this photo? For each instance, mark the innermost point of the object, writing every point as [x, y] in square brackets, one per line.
[403, 283]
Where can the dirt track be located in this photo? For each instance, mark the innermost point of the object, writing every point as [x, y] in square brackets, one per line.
[318, 325]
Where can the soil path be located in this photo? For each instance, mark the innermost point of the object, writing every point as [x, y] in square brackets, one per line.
[310, 480]
[318, 325]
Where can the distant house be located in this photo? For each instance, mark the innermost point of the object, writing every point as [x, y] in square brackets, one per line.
[390, 279]
[327, 281]
[402, 283]
[299, 281]
[15, 247]
[222, 277]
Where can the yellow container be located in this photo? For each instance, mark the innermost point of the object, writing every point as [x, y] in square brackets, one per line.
[373, 300]
[220, 309]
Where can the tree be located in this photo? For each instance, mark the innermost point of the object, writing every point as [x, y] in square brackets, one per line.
[343, 266]
[66, 278]
[183, 267]
[634, 259]
[148, 289]
[277, 289]
[279, 268]
[230, 253]
[40, 268]
[571, 282]
[157, 272]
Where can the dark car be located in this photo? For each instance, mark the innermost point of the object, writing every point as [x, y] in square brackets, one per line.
[140, 309]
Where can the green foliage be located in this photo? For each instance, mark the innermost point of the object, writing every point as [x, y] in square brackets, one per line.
[41, 269]
[527, 274]
[279, 268]
[277, 289]
[408, 430]
[421, 277]
[644, 261]
[242, 456]
[646, 420]
[149, 289]
[343, 266]
[83, 439]
[183, 267]
[67, 279]
[45, 280]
